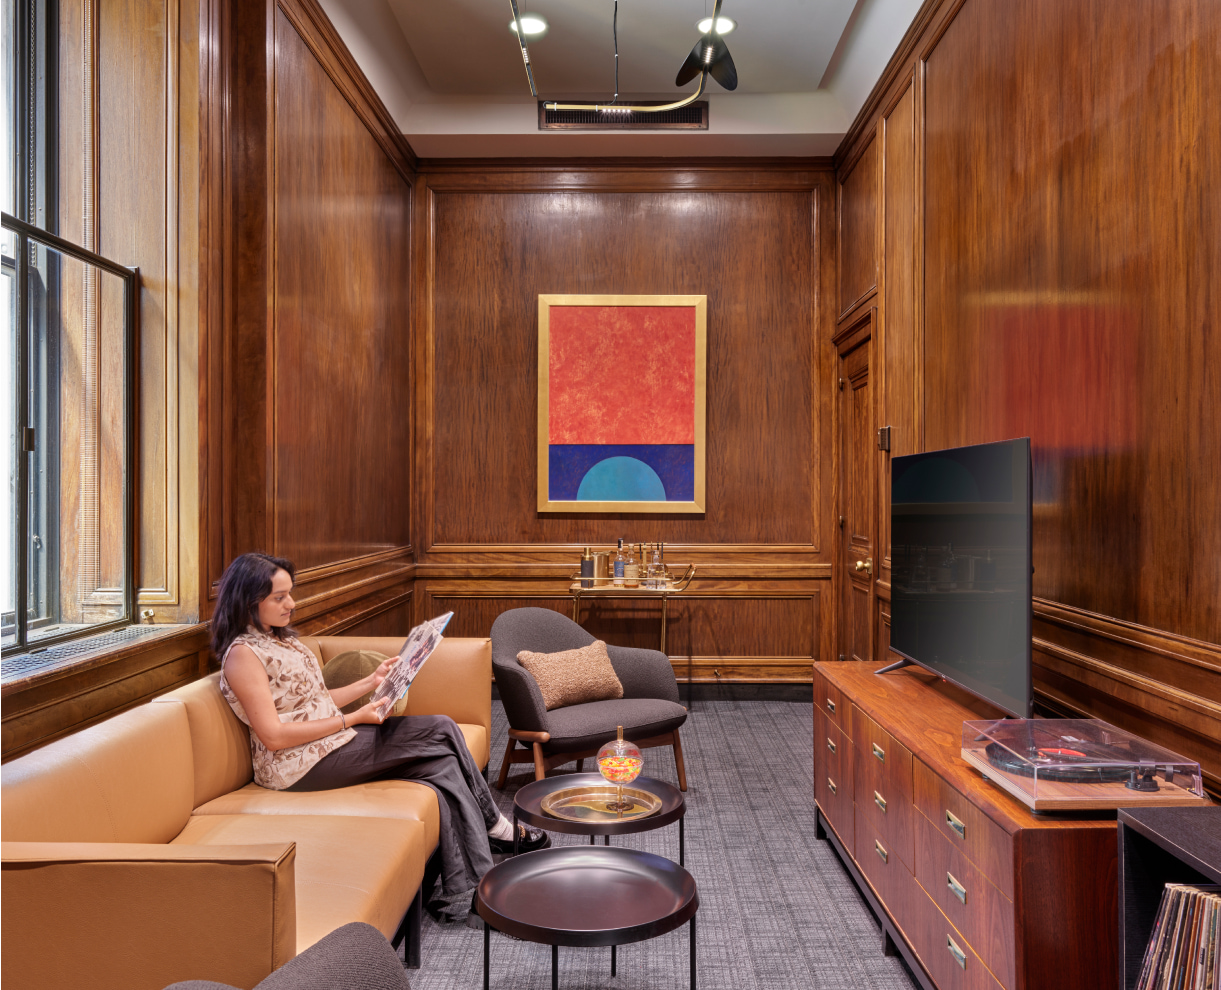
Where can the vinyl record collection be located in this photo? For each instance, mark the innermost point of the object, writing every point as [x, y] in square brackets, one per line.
[1184, 950]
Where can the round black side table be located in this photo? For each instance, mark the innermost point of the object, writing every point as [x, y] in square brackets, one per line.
[585, 897]
[527, 807]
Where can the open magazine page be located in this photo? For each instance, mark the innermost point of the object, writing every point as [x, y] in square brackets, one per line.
[422, 640]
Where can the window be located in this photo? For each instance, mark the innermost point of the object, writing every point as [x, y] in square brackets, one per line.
[69, 366]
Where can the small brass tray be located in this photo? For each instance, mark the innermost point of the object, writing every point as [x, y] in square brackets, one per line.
[591, 803]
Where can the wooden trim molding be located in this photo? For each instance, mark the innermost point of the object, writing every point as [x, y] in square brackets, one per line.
[316, 30]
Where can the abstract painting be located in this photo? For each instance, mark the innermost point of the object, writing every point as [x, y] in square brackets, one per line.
[621, 393]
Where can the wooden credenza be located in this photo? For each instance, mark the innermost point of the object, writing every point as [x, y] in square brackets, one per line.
[974, 890]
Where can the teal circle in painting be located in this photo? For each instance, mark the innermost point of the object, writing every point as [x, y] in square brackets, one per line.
[621, 479]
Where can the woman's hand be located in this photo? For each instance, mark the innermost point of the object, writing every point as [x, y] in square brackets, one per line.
[343, 696]
[374, 713]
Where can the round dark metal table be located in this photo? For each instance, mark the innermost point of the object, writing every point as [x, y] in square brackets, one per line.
[580, 896]
[527, 807]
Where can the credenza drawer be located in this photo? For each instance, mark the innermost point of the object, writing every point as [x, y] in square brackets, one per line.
[829, 701]
[973, 905]
[945, 952]
[883, 783]
[833, 780]
[882, 868]
[980, 839]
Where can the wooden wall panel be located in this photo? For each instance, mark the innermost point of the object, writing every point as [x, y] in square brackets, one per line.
[1066, 236]
[488, 243]
[858, 212]
[751, 253]
[341, 406]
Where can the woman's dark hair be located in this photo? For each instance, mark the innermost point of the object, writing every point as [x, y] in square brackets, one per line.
[245, 583]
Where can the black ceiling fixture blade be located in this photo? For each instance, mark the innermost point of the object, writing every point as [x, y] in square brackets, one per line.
[693, 65]
[723, 70]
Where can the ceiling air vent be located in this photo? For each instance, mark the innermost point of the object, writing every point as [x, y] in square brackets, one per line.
[693, 117]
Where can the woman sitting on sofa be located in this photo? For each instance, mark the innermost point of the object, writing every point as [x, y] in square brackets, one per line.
[301, 741]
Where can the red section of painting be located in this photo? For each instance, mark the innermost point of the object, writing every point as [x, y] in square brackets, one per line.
[622, 374]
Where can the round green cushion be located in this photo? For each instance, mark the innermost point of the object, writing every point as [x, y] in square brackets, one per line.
[352, 666]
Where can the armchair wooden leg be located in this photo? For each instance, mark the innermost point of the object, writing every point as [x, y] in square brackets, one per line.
[678, 763]
[580, 766]
[504, 766]
[540, 767]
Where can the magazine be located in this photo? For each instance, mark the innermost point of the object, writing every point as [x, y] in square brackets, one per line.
[422, 640]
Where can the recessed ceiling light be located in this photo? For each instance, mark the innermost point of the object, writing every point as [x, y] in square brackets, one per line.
[534, 25]
[723, 25]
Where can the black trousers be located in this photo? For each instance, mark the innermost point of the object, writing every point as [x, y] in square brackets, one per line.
[431, 750]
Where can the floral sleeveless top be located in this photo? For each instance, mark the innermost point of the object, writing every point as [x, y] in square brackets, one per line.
[299, 693]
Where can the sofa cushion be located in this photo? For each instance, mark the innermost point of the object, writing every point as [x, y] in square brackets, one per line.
[586, 726]
[128, 779]
[393, 799]
[219, 739]
[573, 677]
[347, 869]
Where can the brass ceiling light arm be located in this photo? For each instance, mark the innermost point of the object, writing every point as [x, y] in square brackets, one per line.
[525, 52]
[625, 106]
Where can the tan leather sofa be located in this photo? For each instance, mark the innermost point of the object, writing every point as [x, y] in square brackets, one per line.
[138, 851]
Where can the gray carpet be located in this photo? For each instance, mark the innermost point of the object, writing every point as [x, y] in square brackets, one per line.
[777, 909]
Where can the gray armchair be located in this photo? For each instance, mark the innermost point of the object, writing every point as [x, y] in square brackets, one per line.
[649, 710]
[354, 957]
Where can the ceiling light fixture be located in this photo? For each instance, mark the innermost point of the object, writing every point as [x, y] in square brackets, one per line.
[723, 25]
[533, 25]
[709, 57]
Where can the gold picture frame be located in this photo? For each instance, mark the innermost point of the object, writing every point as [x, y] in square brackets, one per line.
[602, 344]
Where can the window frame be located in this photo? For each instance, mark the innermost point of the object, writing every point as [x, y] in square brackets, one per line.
[27, 438]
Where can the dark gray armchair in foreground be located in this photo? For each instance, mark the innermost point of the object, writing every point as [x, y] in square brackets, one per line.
[354, 957]
[648, 711]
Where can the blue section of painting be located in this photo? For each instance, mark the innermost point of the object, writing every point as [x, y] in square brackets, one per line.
[673, 463]
[621, 479]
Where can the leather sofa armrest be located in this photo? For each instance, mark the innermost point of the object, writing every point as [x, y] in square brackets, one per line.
[120, 915]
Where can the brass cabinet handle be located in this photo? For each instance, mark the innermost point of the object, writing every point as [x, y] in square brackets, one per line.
[957, 889]
[865, 565]
[881, 851]
[879, 801]
[960, 957]
[831, 784]
[830, 744]
[956, 823]
[879, 752]
[831, 706]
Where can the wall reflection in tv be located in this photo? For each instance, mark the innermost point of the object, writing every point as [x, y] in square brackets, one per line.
[961, 567]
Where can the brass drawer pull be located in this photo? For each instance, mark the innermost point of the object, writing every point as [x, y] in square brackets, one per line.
[879, 801]
[831, 706]
[960, 957]
[957, 889]
[956, 823]
[831, 784]
[881, 851]
[879, 752]
[830, 744]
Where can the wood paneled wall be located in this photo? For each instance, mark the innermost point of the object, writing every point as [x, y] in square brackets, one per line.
[309, 360]
[754, 239]
[1050, 234]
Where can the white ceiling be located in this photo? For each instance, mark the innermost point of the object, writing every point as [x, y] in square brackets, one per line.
[451, 74]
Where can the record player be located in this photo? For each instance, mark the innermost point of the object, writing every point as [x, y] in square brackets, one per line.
[1079, 765]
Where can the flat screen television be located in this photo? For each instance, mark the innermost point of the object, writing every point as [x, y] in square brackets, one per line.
[961, 565]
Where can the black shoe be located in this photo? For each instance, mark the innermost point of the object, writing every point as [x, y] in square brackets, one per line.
[530, 840]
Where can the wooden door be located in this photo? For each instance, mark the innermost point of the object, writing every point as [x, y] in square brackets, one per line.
[858, 558]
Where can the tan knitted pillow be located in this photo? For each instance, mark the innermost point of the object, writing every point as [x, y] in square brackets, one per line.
[573, 677]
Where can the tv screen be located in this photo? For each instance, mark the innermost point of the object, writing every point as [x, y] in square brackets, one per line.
[960, 550]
